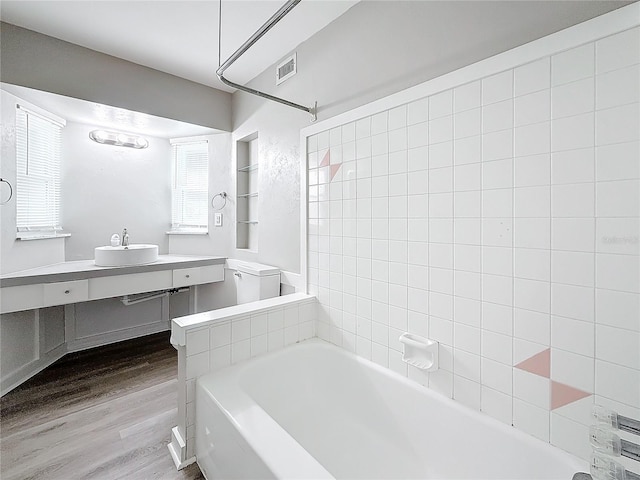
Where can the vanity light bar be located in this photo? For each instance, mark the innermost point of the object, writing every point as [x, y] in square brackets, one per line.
[118, 139]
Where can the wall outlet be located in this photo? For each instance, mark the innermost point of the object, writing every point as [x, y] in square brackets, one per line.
[217, 219]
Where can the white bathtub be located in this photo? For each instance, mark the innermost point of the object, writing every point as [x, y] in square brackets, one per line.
[315, 411]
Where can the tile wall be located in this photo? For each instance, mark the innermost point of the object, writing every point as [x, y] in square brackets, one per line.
[500, 218]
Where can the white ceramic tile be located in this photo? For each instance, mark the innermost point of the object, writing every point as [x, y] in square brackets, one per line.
[533, 264]
[379, 144]
[417, 159]
[572, 166]
[417, 183]
[497, 203]
[524, 349]
[441, 155]
[572, 301]
[497, 318]
[618, 235]
[497, 289]
[441, 104]
[418, 230]
[379, 124]
[441, 255]
[398, 117]
[618, 383]
[618, 124]
[498, 145]
[497, 87]
[398, 185]
[573, 336]
[363, 147]
[466, 392]
[531, 388]
[532, 170]
[259, 345]
[497, 260]
[573, 98]
[466, 364]
[240, 329]
[441, 280]
[619, 346]
[220, 335]
[468, 285]
[497, 174]
[467, 177]
[467, 231]
[618, 199]
[573, 268]
[467, 258]
[441, 180]
[497, 232]
[418, 111]
[467, 123]
[398, 207]
[497, 347]
[618, 309]
[442, 382]
[532, 232]
[618, 161]
[574, 201]
[572, 132]
[197, 341]
[532, 327]
[572, 369]
[441, 129]
[466, 338]
[618, 87]
[468, 311]
[398, 140]
[531, 419]
[467, 96]
[467, 204]
[532, 77]
[573, 64]
[258, 324]
[532, 139]
[497, 375]
[616, 272]
[468, 150]
[575, 234]
[220, 357]
[532, 108]
[497, 116]
[618, 51]
[497, 405]
[418, 276]
[531, 202]
[570, 436]
[240, 351]
[532, 295]
[441, 230]
[418, 135]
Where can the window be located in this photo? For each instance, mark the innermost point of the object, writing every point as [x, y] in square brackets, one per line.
[38, 153]
[189, 210]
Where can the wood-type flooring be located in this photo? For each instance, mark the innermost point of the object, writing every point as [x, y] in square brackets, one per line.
[104, 413]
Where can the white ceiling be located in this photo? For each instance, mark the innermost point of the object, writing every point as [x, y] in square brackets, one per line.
[179, 37]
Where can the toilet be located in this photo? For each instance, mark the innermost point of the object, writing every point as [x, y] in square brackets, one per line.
[254, 281]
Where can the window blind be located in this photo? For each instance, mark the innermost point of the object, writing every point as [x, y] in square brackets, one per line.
[190, 186]
[38, 153]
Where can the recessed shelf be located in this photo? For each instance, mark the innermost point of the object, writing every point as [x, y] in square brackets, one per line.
[245, 195]
[248, 168]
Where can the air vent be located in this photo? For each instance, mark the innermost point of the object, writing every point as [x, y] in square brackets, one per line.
[285, 69]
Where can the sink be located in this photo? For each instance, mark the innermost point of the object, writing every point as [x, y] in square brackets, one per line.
[135, 254]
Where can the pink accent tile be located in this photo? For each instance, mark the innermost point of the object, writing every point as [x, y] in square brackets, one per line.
[327, 159]
[562, 395]
[539, 364]
[334, 169]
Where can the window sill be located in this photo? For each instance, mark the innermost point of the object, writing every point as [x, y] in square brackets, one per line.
[187, 232]
[23, 236]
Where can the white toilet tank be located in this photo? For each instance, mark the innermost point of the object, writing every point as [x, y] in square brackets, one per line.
[255, 281]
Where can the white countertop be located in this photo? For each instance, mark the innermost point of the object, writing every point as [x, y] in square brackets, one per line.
[82, 269]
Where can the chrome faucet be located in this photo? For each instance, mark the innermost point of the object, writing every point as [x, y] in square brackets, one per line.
[125, 238]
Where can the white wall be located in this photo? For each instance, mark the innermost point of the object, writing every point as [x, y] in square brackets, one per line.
[18, 254]
[106, 188]
[374, 49]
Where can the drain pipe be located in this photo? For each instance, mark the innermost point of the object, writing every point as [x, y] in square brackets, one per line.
[276, 17]
[127, 300]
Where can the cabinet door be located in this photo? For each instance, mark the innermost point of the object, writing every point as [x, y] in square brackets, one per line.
[61, 293]
[23, 297]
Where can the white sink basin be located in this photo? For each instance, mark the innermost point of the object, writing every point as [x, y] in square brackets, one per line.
[135, 254]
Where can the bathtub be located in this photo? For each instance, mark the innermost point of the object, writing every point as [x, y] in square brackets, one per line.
[313, 410]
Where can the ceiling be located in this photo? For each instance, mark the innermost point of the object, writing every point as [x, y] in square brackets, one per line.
[179, 37]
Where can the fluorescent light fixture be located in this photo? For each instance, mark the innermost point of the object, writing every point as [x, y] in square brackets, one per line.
[118, 139]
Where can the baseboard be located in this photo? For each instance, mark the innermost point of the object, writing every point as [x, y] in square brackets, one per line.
[177, 449]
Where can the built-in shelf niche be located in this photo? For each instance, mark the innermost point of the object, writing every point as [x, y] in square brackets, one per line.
[248, 164]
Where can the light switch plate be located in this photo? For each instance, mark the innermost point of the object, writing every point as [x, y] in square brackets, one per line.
[217, 219]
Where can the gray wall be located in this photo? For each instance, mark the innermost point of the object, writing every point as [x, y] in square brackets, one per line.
[375, 49]
[41, 62]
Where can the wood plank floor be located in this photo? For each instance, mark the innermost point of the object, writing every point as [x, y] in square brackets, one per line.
[105, 413]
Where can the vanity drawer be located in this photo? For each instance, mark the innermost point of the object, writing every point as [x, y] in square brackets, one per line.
[61, 293]
[23, 297]
[198, 275]
[118, 285]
